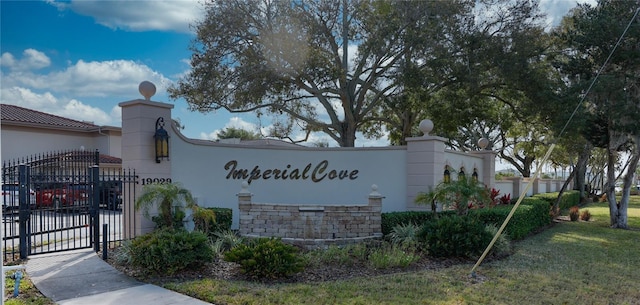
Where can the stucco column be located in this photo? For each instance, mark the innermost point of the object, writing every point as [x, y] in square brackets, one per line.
[488, 175]
[425, 164]
[139, 119]
[517, 187]
[244, 206]
[375, 220]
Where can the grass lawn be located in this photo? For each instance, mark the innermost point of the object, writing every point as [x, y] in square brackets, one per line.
[569, 263]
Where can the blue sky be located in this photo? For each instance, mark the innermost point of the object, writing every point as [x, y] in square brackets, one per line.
[79, 59]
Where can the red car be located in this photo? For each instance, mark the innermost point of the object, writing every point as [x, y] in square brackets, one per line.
[60, 195]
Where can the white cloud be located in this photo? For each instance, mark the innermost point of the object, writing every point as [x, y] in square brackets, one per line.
[31, 60]
[234, 122]
[7, 60]
[556, 9]
[47, 102]
[84, 79]
[237, 122]
[169, 15]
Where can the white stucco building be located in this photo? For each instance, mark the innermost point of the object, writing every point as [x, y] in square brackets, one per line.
[26, 132]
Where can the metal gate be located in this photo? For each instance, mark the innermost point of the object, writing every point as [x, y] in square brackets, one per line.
[63, 201]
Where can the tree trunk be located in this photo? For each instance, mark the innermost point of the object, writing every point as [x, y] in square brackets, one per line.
[581, 171]
[527, 163]
[407, 126]
[347, 134]
[556, 205]
[623, 206]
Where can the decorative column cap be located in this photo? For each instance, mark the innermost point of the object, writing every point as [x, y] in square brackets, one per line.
[483, 143]
[147, 89]
[426, 126]
[374, 192]
[244, 191]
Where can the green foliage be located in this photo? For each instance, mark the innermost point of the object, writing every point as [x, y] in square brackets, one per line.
[223, 219]
[170, 199]
[568, 199]
[29, 293]
[225, 241]
[501, 175]
[204, 220]
[404, 235]
[167, 251]
[176, 222]
[531, 215]
[239, 133]
[266, 258]
[389, 256]
[123, 255]
[212, 220]
[459, 195]
[393, 219]
[502, 246]
[454, 236]
[378, 255]
[346, 255]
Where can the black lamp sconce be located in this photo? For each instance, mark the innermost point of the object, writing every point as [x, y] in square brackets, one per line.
[161, 138]
[447, 174]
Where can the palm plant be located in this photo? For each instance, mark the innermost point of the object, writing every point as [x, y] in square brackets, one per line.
[170, 200]
[457, 194]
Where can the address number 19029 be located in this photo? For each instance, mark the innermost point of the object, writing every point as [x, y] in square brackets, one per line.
[146, 181]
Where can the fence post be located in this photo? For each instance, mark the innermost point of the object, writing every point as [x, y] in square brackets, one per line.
[24, 214]
[94, 209]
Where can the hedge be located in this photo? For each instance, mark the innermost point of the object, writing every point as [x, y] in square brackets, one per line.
[569, 198]
[531, 215]
[223, 219]
[392, 219]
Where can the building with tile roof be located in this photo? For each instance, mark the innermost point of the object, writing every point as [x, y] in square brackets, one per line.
[26, 132]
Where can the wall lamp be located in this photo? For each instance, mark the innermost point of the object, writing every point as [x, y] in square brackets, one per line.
[161, 138]
[447, 174]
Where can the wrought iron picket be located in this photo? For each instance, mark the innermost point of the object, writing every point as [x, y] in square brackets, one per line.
[63, 199]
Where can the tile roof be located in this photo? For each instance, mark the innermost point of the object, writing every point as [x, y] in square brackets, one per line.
[70, 156]
[12, 113]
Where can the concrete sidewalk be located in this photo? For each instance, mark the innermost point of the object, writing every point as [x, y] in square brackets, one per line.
[81, 277]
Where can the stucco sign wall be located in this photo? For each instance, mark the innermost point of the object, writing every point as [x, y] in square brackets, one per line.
[288, 175]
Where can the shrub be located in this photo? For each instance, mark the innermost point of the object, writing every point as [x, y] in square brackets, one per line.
[531, 215]
[568, 199]
[505, 199]
[574, 213]
[167, 251]
[170, 199]
[585, 215]
[212, 220]
[266, 258]
[224, 217]
[204, 219]
[493, 195]
[454, 236]
[392, 219]
[225, 241]
[461, 195]
[389, 256]
[123, 255]
[502, 246]
[404, 235]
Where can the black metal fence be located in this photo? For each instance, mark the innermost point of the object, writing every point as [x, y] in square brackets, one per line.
[62, 201]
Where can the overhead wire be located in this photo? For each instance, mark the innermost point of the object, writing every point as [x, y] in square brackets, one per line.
[548, 153]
